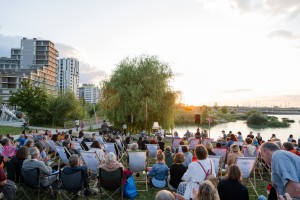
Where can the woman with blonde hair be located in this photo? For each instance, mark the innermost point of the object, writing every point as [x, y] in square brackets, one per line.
[234, 154]
[233, 182]
[111, 164]
[159, 171]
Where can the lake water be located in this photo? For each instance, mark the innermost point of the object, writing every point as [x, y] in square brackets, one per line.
[240, 125]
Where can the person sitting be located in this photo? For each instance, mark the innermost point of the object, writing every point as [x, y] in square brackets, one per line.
[21, 140]
[249, 146]
[140, 143]
[240, 137]
[161, 144]
[96, 147]
[259, 138]
[74, 167]
[145, 141]
[70, 148]
[209, 148]
[234, 154]
[153, 140]
[177, 170]
[22, 154]
[196, 172]
[168, 156]
[111, 164]
[42, 151]
[188, 156]
[197, 134]
[164, 195]
[231, 140]
[289, 147]
[9, 149]
[233, 182]
[159, 171]
[46, 171]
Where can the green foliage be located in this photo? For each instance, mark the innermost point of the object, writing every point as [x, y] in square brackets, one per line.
[224, 109]
[135, 83]
[29, 99]
[257, 119]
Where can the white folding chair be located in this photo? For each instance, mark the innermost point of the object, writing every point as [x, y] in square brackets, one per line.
[77, 145]
[110, 147]
[62, 155]
[247, 165]
[88, 144]
[206, 140]
[52, 145]
[91, 160]
[217, 163]
[176, 143]
[220, 152]
[100, 139]
[79, 139]
[152, 151]
[258, 165]
[193, 143]
[238, 143]
[138, 164]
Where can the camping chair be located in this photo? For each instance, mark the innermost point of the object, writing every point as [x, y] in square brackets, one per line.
[176, 143]
[246, 165]
[91, 160]
[138, 164]
[193, 142]
[217, 163]
[111, 181]
[152, 151]
[72, 183]
[32, 184]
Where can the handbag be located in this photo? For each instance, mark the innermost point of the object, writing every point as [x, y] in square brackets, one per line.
[130, 190]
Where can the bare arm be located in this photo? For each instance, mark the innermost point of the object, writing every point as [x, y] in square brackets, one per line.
[293, 189]
[2, 183]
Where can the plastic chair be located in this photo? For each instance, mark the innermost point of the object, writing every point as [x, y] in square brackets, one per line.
[138, 164]
[111, 181]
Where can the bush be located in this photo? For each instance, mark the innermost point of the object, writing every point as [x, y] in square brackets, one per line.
[257, 119]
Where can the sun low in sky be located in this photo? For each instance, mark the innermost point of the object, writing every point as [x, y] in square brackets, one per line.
[229, 52]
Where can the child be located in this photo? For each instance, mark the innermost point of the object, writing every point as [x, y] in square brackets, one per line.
[159, 171]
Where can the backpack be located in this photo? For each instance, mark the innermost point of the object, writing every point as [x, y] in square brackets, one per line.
[9, 190]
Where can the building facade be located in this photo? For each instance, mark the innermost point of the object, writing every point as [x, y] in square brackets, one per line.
[36, 59]
[90, 93]
[68, 75]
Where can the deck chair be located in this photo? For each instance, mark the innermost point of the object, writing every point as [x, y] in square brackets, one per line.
[111, 147]
[206, 140]
[62, 155]
[88, 144]
[44, 144]
[258, 165]
[176, 143]
[32, 183]
[52, 145]
[247, 165]
[152, 151]
[138, 164]
[220, 152]
[193, 143]
[91, 160]
[100, 139]
[77, 145]
[79, 140]
[72, 183]
[121, 148]
[217, 163]
[111, 181]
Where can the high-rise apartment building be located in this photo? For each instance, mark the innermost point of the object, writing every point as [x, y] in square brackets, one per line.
[90, 93]
[36, 59]
[68, 75]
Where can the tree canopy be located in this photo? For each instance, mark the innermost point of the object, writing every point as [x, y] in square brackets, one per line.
[136, 84]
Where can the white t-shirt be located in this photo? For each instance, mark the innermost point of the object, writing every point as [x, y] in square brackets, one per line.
[77, 122]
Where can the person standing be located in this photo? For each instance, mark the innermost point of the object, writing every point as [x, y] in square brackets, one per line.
[285, 169]
[81, 124]
[77, 124]
[104, 127]
[124, 127]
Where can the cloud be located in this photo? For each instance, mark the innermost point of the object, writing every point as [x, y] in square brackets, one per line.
[178, 74]
[277, 7]
[67, 51]
[284, 34]
[90, 74]
[8, 42]
[236, 91]
[242, 5]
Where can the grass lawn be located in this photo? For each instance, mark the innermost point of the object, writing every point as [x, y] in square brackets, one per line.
[8, 129]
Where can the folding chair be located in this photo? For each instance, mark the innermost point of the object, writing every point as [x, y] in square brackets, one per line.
[176, 143]
[32, 183]
[52, 145]
[206, 140]
[111, 147]
[62, 155]
[111, 181]
[217, 163]
[122, 148]
[246, 165]
[238, 143]
[72, 183]
[88, 144]
[100, 139]
[91, 160]
[77, 145]
[258, 165]
[45, 145]
[193, 142]
[138, 164]
[152, 151]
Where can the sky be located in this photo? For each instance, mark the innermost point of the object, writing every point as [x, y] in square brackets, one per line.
[224, 52]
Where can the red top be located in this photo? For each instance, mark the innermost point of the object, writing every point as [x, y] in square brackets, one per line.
[2, 177]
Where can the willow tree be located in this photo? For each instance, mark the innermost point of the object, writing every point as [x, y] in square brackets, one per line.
[140, 87]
